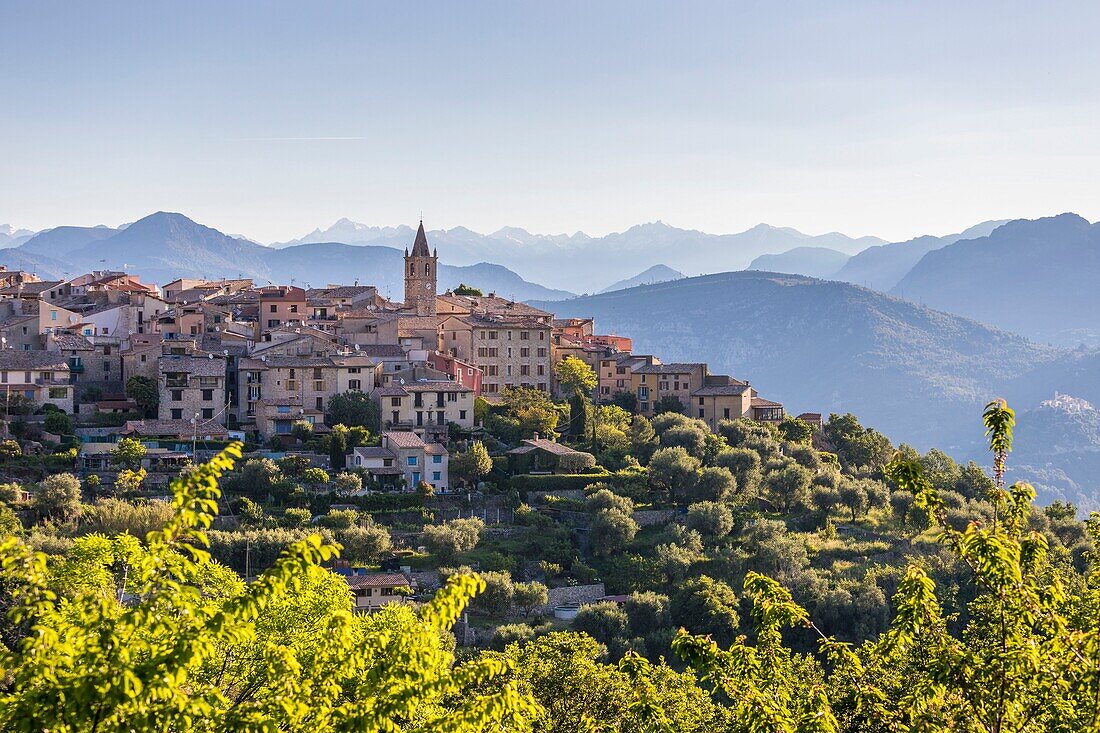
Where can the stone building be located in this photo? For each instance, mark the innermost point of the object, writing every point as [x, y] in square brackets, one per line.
[40, 376]
[277, 390]
[192, 386]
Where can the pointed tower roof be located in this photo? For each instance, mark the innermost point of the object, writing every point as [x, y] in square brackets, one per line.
[420, 245]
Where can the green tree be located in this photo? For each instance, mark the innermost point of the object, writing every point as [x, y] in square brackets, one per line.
[575, 376]
[855, 444]
[473, 464]
[611, 530]
[315, 476]
[710, 519]
[302, 430]
[668, 403]
[795, 430]
[605, 622]
[530, 596]
[353, 409]
[296, 518]
[58, 497]
[338, 447]
[128, 453]
[789, 488]
[704, 605]
[496, 599]
[347, 483]
[58, 423]
[205, 652]
[469, 290]
[643, 438]
[259, 475]
[10, 449]
[452, 538]
[673, 470]
[130, 481]
[364, 545]
[145, 393]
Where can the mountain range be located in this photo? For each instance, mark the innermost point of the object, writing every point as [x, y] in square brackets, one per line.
[164, 246]
[810, 261]
[649, 276]
[552, 259]
[12, 237]
[1036, 277]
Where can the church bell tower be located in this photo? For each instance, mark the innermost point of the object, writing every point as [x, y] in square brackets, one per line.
[420, 276]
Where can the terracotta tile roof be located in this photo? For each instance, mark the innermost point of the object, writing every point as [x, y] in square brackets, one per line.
[71, 342]
[549, 446]
[761, 402]
[435, 449]
[383, 351]
[403, 439]
[674, 368]
[199, 366]
[379, 580]
[721, 390]
[174, 428]
[14, 359]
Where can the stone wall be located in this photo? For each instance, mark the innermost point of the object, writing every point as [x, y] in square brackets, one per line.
[572, 594]
[653, 517]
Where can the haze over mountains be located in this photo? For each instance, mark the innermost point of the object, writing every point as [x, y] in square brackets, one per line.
[553, 259]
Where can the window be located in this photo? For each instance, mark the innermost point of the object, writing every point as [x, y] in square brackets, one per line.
[726, 413]
[461, 414]
[177, 395]
[294, 308]
[354, 370]
[644, 407]
[437, 475]
[282, 409]
[207, 395]
[53, 315]
[524, 352]
[700, 412]
[273, 308]
[524, 335]
[25, 332]
[106, 367]
[354, 385]
[700, 401]
[542, 351]
[177, 413]
[319, 403]
[437, 459]
[58, 393]
[208, 413]
[143, 358]
[272, 322]
[395, 402]
[411, 460]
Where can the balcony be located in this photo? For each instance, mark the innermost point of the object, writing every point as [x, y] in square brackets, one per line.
[76, 368]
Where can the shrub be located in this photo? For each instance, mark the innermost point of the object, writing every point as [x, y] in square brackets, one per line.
[573, 463]
[447, 540]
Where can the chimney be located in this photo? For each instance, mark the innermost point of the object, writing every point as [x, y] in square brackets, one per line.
[535, 436]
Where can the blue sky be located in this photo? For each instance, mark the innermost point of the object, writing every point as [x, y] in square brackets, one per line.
[270, 118]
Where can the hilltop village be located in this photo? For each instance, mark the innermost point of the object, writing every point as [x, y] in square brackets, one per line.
[420, 435]
[196, 360]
